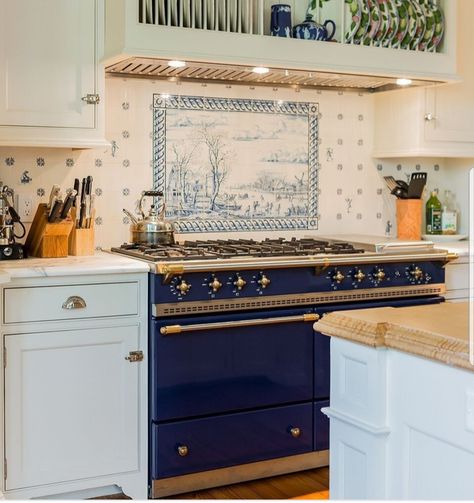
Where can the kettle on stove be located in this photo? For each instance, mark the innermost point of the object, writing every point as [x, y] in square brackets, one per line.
[151, 229]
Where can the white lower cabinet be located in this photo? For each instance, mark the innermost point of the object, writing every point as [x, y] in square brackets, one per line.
[71, 405]
[75, 408]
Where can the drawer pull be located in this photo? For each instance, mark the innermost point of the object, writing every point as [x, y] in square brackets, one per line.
[295, 432]
[74, 302]
[183, 450]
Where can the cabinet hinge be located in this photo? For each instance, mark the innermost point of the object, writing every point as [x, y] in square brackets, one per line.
[135, 356]
[5, 469]
[91, 99]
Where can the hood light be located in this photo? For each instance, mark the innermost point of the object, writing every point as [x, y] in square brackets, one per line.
[176, 63]
[261, 70]
[404, 82]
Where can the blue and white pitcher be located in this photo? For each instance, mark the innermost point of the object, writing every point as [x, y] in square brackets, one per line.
[281, 20]
[310, 30]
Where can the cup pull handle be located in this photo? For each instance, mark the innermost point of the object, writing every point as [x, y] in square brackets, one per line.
[74, 302]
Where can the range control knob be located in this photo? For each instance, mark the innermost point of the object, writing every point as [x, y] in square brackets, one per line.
[239, 282]
[416, 273]
[8, 251]
[264, 281]
[379, 274]
[183, 287]
[338, 277]
[358, 275]
[215, 285]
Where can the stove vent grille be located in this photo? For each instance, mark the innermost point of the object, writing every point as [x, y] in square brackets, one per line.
[213, 306]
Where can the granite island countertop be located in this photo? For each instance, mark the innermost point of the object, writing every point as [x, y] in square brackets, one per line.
[438, 332]
[99, 263]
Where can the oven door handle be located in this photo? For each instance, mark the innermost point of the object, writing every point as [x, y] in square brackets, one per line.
[179, 329]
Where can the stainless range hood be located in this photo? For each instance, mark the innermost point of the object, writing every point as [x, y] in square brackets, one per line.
[139, 47]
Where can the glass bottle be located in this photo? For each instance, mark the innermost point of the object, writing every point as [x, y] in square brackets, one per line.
[449, 218]
[433, 214]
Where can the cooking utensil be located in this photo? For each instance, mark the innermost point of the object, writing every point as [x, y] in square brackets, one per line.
[68, 202]
[417, 184]
[153, 228]
[391, 182]
[399, 192]
[130, 216]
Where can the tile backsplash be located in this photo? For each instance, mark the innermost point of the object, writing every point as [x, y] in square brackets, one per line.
[351, 191]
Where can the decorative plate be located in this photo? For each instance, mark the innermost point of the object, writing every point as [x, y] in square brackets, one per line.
[420, 25]
[374, 22]
[384, 22]
[427, 7]
[353, 19]
[364, 25]
[394, 22]
[410, 35]
[403, 7]
[439, 27]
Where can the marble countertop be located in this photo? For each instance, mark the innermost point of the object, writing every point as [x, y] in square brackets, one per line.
[100, 263]
[438, 332]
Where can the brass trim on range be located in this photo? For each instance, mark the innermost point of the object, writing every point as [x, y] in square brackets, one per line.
[179, 329]
[169, 270]
[294, 300]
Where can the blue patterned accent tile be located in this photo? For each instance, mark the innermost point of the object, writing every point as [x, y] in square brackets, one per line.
[360, 167]
[359, 192]
[379, 216]
[360, 117]
[126, 192]
[98, 163]
[40, 162]
[40, 192]
[125, 134]
[379, 167]
[126, 163]
[340, 117]
[69, 162]
[10, 161]
[360, 142]
[340, 167]
[98, 192]
[98, 221]
[418, 167]
[125, 105]
[379, 192]
[436, 167]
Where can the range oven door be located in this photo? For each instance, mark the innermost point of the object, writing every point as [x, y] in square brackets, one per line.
[214, 364]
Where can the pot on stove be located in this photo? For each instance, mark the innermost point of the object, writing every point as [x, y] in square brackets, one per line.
[152, 228]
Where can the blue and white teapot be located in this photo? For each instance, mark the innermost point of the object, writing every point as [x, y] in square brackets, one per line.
[311, 30]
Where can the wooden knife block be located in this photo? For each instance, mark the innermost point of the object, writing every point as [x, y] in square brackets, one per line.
[81, 241]
[47, 240]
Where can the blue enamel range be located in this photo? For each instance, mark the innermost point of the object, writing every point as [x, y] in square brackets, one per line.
[237, 373]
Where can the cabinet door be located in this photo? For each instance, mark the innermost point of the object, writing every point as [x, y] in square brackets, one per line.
[47, 63]
[71, 405]
[452, 109]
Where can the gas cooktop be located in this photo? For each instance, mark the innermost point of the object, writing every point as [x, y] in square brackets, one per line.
[237, 248]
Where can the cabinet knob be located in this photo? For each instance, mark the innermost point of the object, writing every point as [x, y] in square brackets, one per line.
[430, 117]
[135, 356]
[295, 432]
[183, 450]
[74, 302]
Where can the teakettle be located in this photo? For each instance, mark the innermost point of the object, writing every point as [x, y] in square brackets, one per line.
[153, 228]
[311, 30]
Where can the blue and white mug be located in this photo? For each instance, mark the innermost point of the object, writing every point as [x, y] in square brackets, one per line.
[281, 20]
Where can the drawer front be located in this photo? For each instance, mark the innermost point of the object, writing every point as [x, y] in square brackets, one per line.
[50, 303]
[321, 426]
[230, 440]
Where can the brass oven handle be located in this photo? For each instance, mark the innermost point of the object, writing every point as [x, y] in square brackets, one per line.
[179, 329]
[74, 302]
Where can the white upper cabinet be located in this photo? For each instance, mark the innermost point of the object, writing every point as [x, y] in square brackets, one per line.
[436, 121]
[135, 30]
[49, 52]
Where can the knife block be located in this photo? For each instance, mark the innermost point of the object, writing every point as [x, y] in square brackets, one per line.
[47, 240]
[81, 241]
[409, 219]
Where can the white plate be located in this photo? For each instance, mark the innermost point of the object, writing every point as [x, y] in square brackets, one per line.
[187, 14]
[149, 11]
[233, 15]
[173, 7]
[198, 14]
[444, 238]
[245, 16]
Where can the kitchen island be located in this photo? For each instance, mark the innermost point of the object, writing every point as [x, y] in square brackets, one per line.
[401, 403]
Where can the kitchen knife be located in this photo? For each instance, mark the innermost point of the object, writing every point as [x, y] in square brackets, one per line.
[82, 213]
[69, 201]
[54, 195]
[76, 188]
[91, 211]
[55, 211]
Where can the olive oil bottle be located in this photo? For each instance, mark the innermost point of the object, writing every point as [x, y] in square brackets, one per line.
[434, 212]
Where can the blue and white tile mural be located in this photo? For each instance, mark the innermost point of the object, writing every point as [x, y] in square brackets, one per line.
[228, 164]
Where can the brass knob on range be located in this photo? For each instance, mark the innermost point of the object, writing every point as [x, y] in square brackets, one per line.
[295, 432]
[183, 450]
[379, 275]
[359, 276]
[183, 287]
[338, 277]
[239, 282]
[417, 273]
[264, 281]
[215, 284]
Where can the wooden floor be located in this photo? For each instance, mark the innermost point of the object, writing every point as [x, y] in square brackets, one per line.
[311, 484]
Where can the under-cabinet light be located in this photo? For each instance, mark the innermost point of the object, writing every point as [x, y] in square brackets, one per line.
[260, 70]
[404, 82]
[176, 63]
